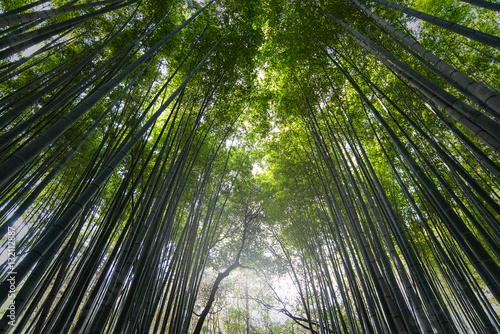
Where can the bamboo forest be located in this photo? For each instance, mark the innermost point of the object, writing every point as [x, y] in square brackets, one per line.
[249, 166]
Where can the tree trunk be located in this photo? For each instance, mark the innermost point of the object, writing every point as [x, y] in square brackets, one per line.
[10, 20]
[472, 34]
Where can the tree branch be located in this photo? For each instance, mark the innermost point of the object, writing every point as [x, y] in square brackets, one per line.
[248, 218]
[284, 311]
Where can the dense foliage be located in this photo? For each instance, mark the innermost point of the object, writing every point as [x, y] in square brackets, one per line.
[323, 166]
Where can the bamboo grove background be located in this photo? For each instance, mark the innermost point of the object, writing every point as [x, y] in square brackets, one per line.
[128, 135]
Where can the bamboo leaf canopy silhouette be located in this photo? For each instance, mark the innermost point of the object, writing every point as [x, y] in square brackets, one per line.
[349, 147]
